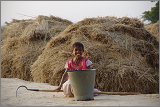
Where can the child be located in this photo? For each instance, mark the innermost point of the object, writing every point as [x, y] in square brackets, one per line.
[78, 62]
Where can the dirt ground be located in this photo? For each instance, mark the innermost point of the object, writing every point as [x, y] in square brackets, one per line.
[30, 98]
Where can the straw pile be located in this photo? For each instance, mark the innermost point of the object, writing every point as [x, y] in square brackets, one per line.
[123, 52]
[24, 40]
[153, 29]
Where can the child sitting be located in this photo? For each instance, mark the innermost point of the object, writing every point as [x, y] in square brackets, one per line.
[78, 62]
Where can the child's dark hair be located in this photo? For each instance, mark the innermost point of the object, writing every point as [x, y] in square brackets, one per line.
[78, 45]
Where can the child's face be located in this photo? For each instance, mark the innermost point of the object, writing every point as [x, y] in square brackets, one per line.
[78, 51]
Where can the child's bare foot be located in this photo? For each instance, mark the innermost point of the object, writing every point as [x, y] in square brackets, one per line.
[96, 92]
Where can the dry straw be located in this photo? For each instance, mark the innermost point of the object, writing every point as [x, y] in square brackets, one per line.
[123, 52]
[153, 29]
[24, 41]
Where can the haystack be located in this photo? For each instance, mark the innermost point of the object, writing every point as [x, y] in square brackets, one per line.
[123, 52]
[153, 29]
[15, 28]
[24, 41]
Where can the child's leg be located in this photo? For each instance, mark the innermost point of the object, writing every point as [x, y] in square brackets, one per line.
[67, 89]
[96, 90]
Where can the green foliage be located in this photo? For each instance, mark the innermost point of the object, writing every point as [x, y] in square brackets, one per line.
[152, 15]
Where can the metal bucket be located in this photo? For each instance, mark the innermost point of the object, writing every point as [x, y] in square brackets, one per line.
[82, 83]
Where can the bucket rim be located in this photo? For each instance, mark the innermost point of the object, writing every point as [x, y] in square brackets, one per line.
[80, 70]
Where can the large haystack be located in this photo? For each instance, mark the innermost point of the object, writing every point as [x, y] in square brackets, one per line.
[153, 29]
[123, 52]
[15, 28]
[24, 41]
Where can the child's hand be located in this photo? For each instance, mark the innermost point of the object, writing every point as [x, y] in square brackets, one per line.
[90, 67]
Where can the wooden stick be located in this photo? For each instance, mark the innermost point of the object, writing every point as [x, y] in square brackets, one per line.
[101, 92]
[50, 90]
[117, 93]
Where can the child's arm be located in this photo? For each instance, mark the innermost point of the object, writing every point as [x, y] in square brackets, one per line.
[89, 64]
[63, 79]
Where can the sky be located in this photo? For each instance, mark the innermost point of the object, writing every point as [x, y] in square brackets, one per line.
[72, 10]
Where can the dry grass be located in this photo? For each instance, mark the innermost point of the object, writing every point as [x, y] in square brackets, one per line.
[153, 29]
[123, 52]
[15, 29]
[24, 41]
[133, 22]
